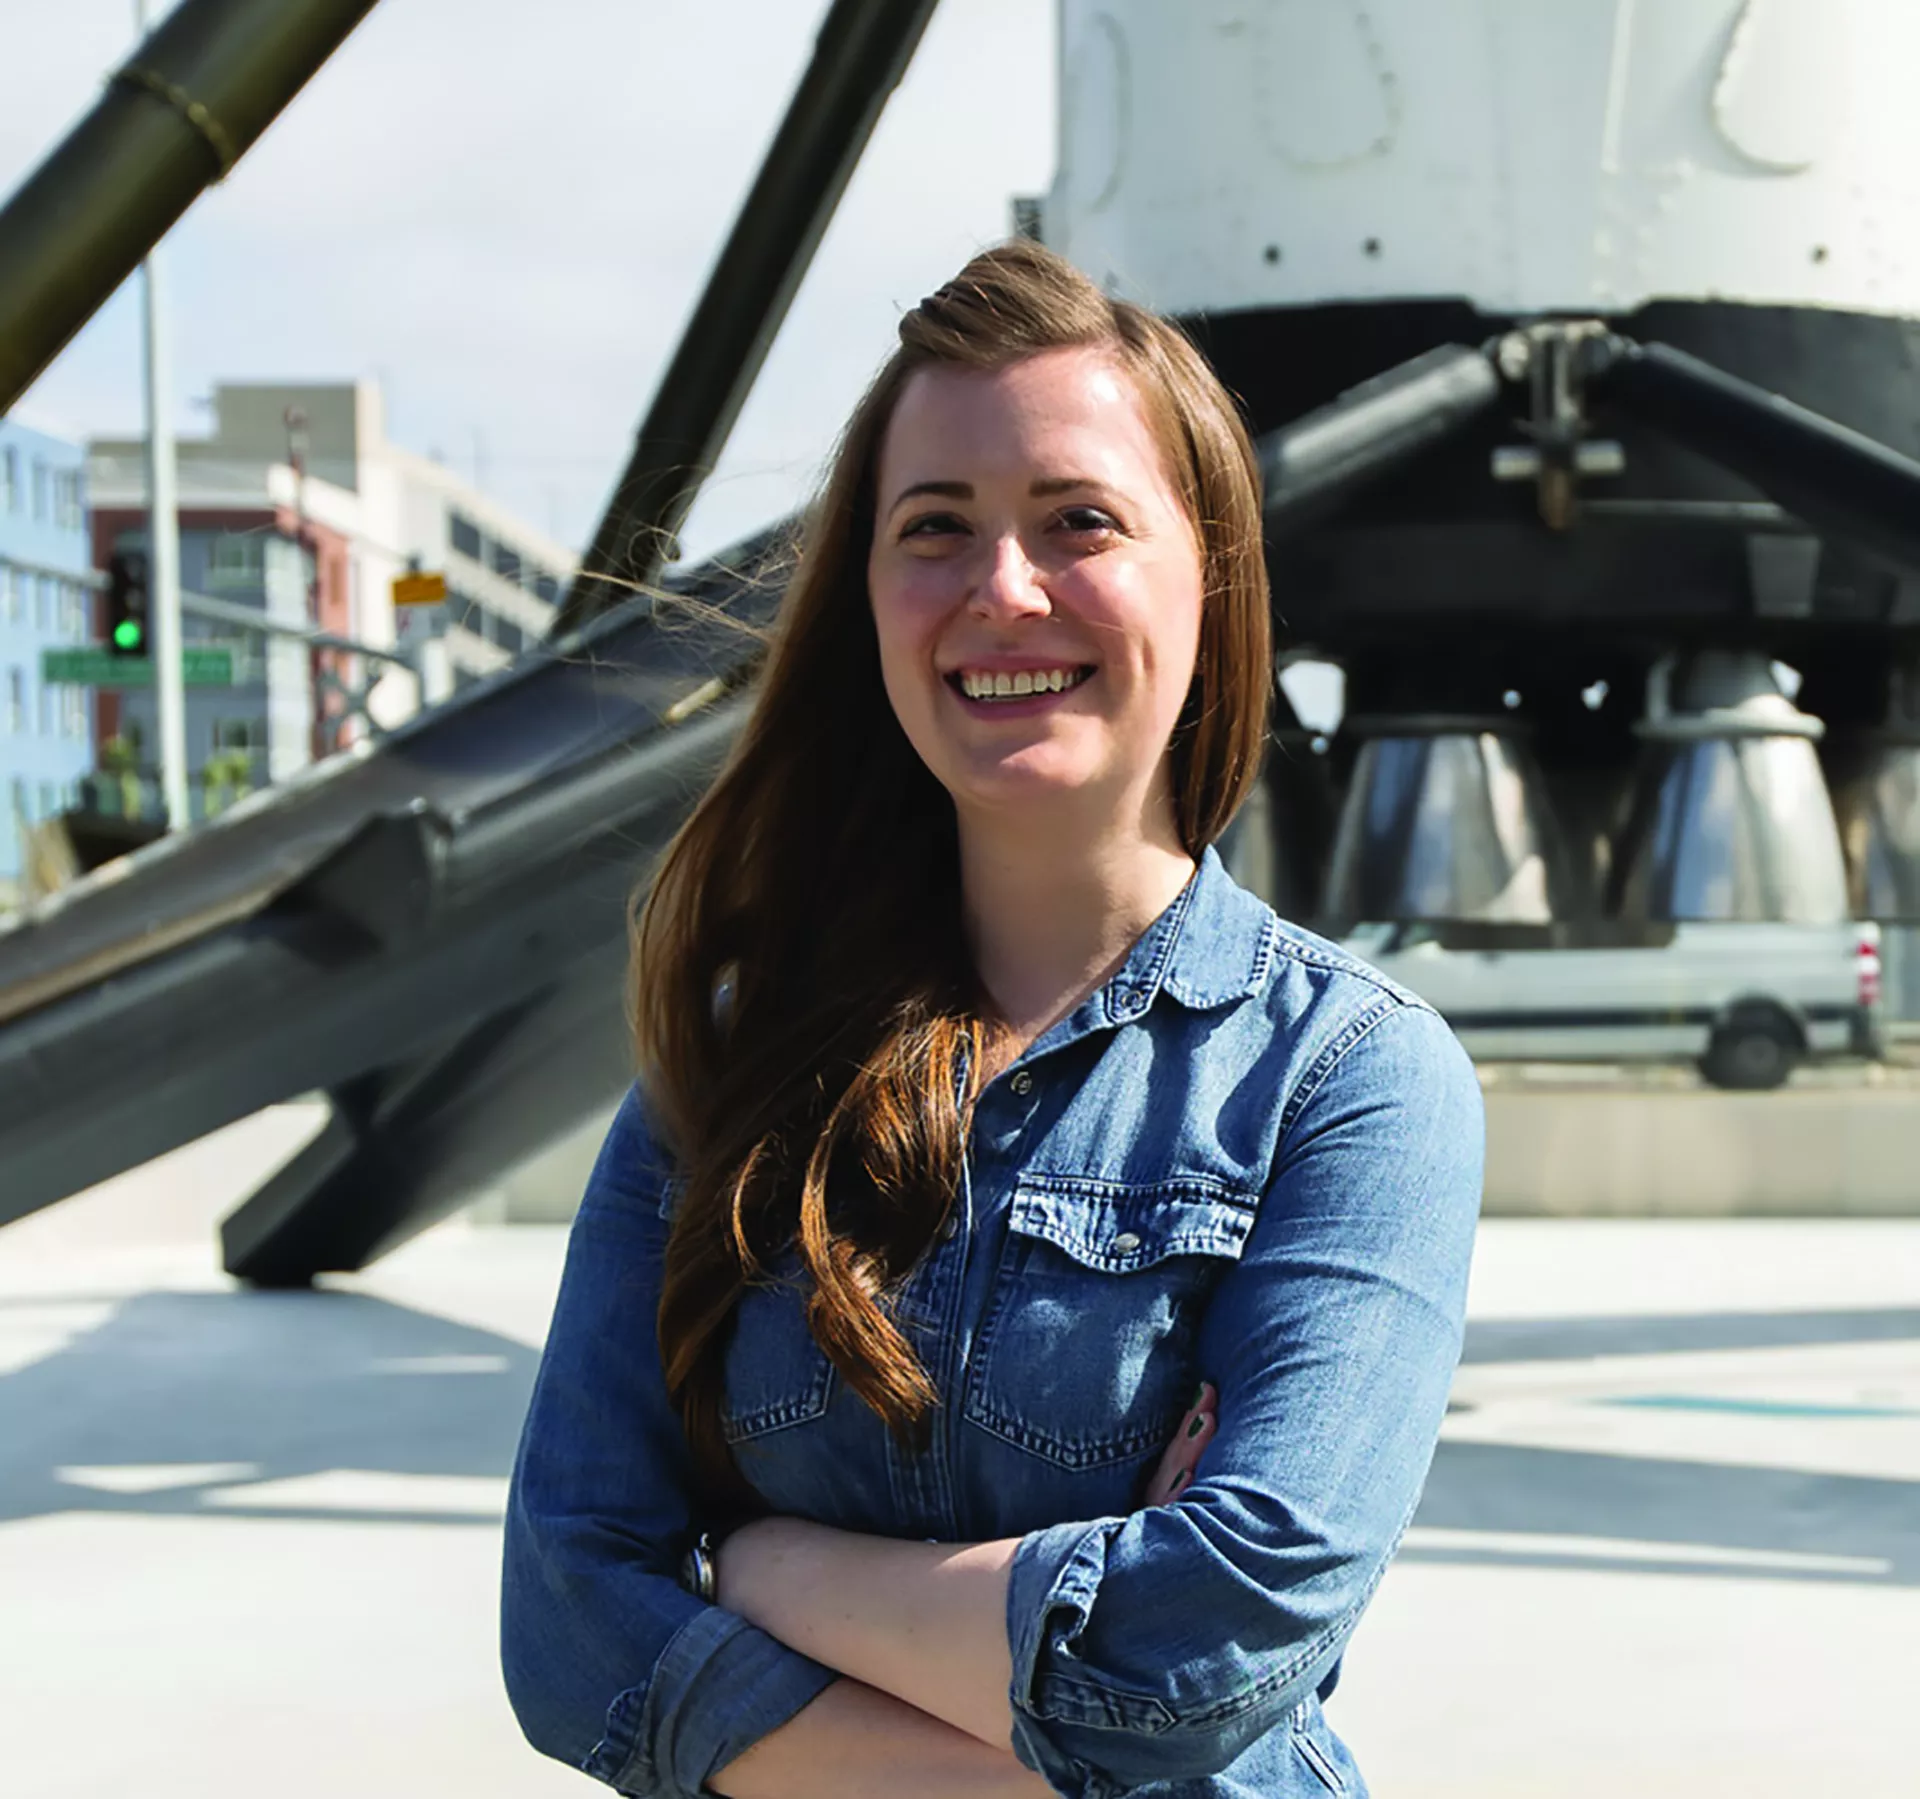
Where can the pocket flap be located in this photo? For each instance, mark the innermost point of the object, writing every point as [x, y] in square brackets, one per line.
[1117, 1227]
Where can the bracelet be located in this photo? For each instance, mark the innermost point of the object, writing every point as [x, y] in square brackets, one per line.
[699, 1573]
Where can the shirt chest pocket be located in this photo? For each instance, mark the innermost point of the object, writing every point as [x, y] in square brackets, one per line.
[1085, 1353]
[775, 1374]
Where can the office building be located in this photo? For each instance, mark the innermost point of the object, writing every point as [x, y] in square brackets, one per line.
[45, 729]
[297, 505]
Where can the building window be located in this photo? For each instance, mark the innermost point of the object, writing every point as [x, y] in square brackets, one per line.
[506, 561]
[547, 587]
[465, 536]
[49, 799]
[39, 488]
[467, 612]
[248, 734]
[16, 702]
[9, 479]
[10, 579]
[46, 614]
[73, 712]
[46, 710]
[73, 619]
[509, 636]
[235, 560]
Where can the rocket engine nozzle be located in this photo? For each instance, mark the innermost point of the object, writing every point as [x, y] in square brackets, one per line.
[1731, 817]
[1446, 819]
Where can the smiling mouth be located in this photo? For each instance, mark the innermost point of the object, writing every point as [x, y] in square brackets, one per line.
[1002, 684]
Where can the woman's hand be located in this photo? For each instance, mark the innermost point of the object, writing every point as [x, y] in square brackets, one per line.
[1182, 1457]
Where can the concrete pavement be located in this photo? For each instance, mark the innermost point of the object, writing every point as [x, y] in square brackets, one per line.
[248, 1542]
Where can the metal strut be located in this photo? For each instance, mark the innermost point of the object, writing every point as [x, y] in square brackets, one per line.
[858, 59]
[401, 1152]
[189, 103]
[1839, 481]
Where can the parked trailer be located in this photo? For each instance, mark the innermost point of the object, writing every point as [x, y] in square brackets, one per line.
[1746, 1002]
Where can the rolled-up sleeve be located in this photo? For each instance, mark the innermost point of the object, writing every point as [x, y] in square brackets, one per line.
[1161, 1645]
[610, 1664]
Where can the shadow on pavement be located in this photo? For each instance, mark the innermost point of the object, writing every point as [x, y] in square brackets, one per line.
[239, 1390]
[1520, 1490]
[1575, 1339]
[1637, 1499]
[258, 1388]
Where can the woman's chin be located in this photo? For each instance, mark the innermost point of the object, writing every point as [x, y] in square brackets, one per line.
[1028, 781]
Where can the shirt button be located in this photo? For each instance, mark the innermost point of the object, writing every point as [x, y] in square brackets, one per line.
[1022, 1083]
[1126, 1243]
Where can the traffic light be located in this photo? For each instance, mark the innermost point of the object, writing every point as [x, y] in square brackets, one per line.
[127, 604]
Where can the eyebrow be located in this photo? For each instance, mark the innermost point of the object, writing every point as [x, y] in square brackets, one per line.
[963, 490]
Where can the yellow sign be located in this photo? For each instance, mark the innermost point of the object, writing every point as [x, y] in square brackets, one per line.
[419, 590]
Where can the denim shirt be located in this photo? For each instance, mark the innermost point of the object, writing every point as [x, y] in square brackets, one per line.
[1247, 1158]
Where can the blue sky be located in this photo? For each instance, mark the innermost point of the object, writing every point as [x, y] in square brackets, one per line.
[504, 211]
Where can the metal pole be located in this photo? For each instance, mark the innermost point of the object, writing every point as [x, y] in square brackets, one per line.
[1840, 482]
[1312, 465]
[863, 49]
[187, 105]
[433, 669]
[163, 543]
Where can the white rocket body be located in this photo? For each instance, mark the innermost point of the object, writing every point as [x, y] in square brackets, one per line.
[1326, 189]
[1527, 155]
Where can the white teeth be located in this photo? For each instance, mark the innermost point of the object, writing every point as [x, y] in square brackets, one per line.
[996, 686]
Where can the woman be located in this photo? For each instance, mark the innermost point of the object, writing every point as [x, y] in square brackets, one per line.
[981, 1116]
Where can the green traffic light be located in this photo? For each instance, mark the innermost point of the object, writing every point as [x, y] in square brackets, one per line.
[127, 634]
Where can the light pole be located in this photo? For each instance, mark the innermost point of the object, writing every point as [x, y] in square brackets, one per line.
[163, 545]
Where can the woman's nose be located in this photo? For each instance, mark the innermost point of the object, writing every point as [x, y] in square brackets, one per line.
[1009, 585]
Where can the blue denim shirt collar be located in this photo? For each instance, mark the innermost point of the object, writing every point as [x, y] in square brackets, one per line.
[1213, 945]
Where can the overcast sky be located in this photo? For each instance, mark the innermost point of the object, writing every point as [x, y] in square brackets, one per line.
[504, 210]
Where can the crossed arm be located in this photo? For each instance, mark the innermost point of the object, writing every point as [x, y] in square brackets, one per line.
[919, 1633]
[917, 1630]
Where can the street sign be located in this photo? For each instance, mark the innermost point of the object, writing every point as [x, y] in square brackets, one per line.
[417, 589]
[94, 665]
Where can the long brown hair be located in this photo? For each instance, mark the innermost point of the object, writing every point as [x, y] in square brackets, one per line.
[809, 1025]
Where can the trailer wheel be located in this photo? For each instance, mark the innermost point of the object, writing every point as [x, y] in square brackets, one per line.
[1752, 1052]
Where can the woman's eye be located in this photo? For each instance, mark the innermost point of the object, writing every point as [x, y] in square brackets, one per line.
[1088, 519]
[931, 524]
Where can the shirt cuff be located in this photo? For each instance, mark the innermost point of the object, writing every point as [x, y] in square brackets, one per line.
[1050, 1592]
[719, 1686]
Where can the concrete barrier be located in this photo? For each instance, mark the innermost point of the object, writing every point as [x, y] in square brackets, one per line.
[1646, 1143]
[1807, 1151]
[546, 1188]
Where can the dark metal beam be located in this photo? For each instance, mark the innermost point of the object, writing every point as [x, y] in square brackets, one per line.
[1310, 466]
[406, 1147]
[1837, 479]
[862, 51]
[188, 104]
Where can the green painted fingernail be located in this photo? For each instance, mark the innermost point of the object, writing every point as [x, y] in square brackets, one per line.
[1196, 1427]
